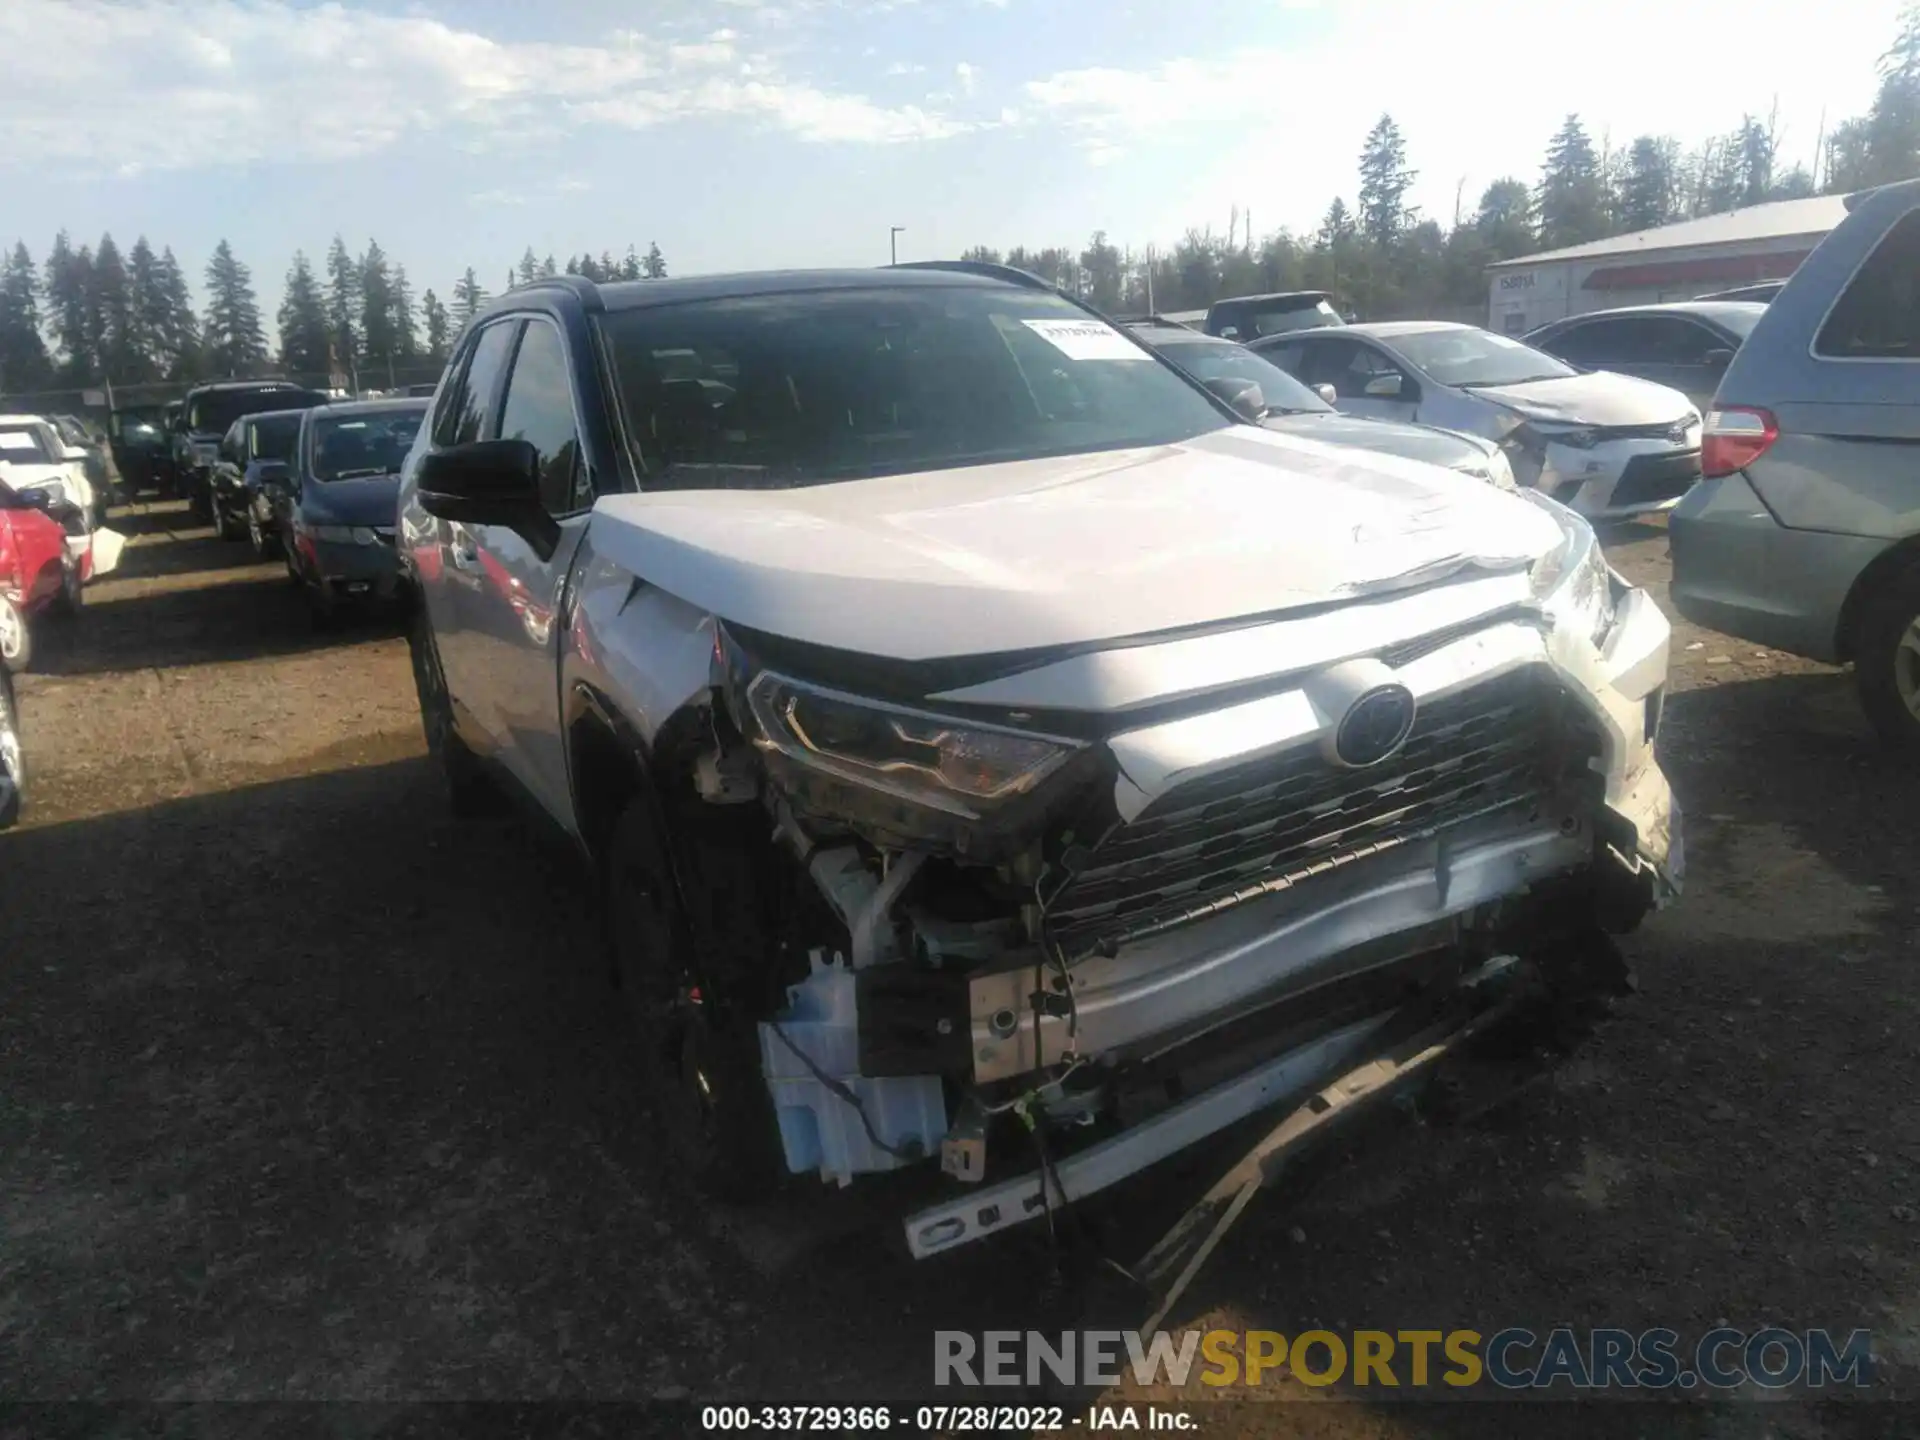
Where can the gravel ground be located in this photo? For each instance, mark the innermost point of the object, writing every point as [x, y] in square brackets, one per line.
[308, 1094]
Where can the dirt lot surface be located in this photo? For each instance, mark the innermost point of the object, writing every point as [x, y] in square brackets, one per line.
[308, 1093]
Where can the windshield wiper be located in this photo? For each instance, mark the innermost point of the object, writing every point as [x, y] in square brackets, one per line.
[366, 474]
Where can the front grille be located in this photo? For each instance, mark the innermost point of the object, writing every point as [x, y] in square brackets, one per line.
[1270, 824]
[1671, 430]
[1649, 479]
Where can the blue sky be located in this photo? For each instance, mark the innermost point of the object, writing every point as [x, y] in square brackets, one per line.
[752, 133]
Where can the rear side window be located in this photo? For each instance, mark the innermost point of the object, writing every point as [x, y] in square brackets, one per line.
[1878, 315]
[463, 410]
[539, 410]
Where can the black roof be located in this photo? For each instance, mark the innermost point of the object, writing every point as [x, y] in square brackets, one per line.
[1165, 332]
[620, 295]
[1273, 295]
[370, 407]
[246, 385]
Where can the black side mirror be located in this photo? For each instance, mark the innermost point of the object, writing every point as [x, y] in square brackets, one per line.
[489, 482]
[1244, 396]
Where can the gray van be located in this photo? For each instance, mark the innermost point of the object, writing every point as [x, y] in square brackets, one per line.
[1804, 531]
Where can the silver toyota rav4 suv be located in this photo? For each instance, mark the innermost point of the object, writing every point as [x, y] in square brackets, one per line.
[1000, 760]
[1804, 533]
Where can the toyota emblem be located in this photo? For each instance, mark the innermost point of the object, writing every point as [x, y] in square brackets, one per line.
[1375, 726]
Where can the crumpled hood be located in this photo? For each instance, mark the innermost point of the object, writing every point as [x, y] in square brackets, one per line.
[1601, 398]
[1414, 442]
[374, 501]
[1236, 524]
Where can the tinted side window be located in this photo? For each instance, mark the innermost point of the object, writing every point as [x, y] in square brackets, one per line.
[539, 409]
[463, 412]
[1878, 315]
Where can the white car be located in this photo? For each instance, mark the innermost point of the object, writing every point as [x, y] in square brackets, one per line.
[37, 459]
[1607, 446]
[985, 738]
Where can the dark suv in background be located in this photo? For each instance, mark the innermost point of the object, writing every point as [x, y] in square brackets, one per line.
[206, 415]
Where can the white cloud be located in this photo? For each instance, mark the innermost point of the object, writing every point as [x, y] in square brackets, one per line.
[967, 75]
[183, 83]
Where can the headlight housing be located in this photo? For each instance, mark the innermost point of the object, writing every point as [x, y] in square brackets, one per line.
[344, 534]
[1573, 582]
[896, 773]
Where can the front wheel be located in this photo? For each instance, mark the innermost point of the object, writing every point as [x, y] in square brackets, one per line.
[224, 527]
[699, 1056]
[1886, 660]
[73, 593]
[469, 791]
[16, 641]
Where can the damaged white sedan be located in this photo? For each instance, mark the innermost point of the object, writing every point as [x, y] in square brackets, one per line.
[999, 761]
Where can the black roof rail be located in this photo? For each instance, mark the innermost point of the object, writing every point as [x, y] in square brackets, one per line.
[1012, 274]
[583, 289]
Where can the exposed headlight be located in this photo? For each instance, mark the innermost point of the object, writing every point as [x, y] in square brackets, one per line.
[962, 770]
[1581, 437]
[1572, 581]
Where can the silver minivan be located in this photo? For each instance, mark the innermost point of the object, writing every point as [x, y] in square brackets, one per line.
[1804, 533]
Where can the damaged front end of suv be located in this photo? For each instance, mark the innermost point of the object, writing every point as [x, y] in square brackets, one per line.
[1066, 910]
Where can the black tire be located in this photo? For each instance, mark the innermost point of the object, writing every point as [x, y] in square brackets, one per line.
[224, 525]
[262, 542]
[1886, 659]
[699, 1053]
[73, 595]
[16, 638]
[470, 792]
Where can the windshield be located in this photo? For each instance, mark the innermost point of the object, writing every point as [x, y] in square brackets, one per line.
[25, 444]
[799, 389]
[1224, 361]
[274, 437]
[1477, 357]
[218, 409]
[353, 447]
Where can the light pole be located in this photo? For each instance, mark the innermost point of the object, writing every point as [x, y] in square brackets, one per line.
[893, 242]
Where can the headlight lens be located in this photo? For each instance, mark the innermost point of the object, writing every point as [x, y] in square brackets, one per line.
[1499, 470]
[961, 769]
[336, 534]
[1572, 581]
[1581, 437]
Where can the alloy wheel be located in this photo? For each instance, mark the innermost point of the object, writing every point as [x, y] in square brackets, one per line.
[1906, 667]
[13, 632]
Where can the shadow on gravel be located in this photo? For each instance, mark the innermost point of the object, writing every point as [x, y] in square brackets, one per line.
[236, 620]
[194, 552]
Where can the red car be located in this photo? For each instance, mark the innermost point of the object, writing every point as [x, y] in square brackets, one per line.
[38, 572]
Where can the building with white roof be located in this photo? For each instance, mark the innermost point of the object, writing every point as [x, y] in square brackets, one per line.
[1674, 262]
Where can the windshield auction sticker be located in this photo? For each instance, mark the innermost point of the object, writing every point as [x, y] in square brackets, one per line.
[1086, 340]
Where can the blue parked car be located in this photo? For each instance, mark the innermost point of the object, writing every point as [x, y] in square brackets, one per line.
[334, 503]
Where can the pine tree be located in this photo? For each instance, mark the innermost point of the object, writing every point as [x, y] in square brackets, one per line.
[343, 303]
[609, 267]
[529, 270]
[69, 273]
[1650, 186]
[1573, 201]
[24, 362]
[1891, 139]
[1384, 182]
[1504, 219]
[468, 296]
[1338, 227]
[146, 316]
[304, 332]
[630, 264]
[178, 327]
[377, 330]
[235, 343]
[655, 265]
[547, 269]
[434, 316]
[110, 322]
[406, 332]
